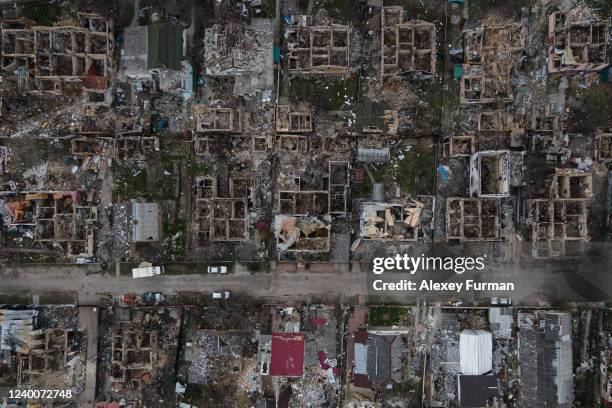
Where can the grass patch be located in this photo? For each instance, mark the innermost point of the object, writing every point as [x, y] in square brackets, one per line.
[21, 298]
[414, 173]
[125, 268]
[195, 169]
[186, 268]
[268, 9]
[388, 316]
[363, 190]
[189, 298]
[58, 298]
[340, 11]
[43, 14]
[325, 93]
[590, 107]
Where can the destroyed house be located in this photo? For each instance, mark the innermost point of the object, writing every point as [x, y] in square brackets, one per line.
[569, 184]
[3, 159]
[376, 118]
[472, 219]
[47, 58]
[406, 46]
[47, 354]
[134, 352]
[318, 49]
[394, 221]
[603, 147]
[220, 120]
[244, 52]
[324, 195]
[57, 218]
[290, 120]
[490, 52]
[490, 174]
[576, 43]
[455, 146]
[301, 234]
[551, 223]
[222, 218]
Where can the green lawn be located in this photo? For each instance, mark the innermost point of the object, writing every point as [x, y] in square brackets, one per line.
[388, 316]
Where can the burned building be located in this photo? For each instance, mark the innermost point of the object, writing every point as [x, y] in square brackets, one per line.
[459, 145]
[218, 120]
[222, 217]
[293, 120]
[58, 218]
[603, 146]
[318, 49]
[406, 46]
[134, 352]
[577, 42]
[3, 159]
[472, 219]
[47, 59]
[490, 174]
[551, 223]
[490, 52]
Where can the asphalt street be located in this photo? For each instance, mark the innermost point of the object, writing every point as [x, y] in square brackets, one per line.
[547, 282]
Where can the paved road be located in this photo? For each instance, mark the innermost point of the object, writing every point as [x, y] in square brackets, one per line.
[88, 322]
[559, 281]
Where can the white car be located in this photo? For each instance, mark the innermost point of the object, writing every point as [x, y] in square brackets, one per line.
[217, 269]
[221, 295]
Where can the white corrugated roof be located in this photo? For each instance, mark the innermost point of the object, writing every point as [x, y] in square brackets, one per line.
[475, 352]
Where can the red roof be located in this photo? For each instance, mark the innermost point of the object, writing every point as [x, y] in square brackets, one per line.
[287, 355]
[318, 321]
[107, 405]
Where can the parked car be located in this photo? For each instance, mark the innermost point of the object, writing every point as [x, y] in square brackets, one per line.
[217, 269]
[153, 297]
[221, 294]
[495, 301]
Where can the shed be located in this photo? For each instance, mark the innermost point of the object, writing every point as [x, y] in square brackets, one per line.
[145, 222]
[475, 352]
[152, 46]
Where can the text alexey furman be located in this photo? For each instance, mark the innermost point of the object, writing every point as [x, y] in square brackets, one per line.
[459, 265]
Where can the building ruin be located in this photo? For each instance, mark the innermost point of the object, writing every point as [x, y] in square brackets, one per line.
[490, 52]
[406, 46]
[220, 217]
[57, 219]
[318, 49]
[47, 59]
[472, 219]
[577, 43]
